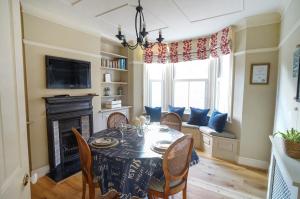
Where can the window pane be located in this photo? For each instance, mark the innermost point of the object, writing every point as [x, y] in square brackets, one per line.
[155, 94]
[225, 66]
[155, 71]
[181, 94]
[197, 69]
[197, 94]
[223, 85]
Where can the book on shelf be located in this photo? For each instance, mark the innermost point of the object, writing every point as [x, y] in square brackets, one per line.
[119, 63]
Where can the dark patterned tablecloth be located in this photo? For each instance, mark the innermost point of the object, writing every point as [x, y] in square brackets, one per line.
[128, 167]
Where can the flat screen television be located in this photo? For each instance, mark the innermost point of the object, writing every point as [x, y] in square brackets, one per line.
[67, 73]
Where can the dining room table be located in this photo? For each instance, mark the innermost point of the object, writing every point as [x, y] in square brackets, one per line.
[127, 167]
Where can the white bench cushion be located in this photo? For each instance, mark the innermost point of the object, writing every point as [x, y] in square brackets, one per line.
[185, 124]
[212, 132]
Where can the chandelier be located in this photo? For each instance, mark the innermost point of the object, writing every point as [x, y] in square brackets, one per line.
[140, 31]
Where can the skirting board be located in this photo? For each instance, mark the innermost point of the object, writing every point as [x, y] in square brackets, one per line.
[253, 163]
[241, 160]
[41, 171]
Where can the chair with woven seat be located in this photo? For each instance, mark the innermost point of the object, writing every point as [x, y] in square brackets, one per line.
[176, 162]
[115, 119]
[172, 120]
[86, 163]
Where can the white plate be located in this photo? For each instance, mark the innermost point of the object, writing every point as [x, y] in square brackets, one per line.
[162, 145]
[103, 141]
[164, 128]
[115, 143]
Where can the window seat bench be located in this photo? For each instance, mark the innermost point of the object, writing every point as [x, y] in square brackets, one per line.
[220, 145]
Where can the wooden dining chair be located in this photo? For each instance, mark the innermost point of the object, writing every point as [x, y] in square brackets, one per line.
[86, 163]
[172, 120]
[115, 119]
[176, 162]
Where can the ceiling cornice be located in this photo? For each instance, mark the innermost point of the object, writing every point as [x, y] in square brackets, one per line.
[257, 20]
[31, 10]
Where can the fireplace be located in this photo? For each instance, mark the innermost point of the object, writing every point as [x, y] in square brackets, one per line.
[63, 113]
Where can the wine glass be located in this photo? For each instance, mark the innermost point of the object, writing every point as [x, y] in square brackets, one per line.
[148, 119]
[122, 128]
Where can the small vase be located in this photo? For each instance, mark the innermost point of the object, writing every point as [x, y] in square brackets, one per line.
[107, 93]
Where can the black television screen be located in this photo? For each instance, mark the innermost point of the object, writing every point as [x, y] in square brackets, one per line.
[67, 73]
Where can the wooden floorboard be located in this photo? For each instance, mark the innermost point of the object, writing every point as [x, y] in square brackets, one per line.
[210, 179]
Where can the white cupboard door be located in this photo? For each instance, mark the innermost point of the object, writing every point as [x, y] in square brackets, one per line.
[14, 167]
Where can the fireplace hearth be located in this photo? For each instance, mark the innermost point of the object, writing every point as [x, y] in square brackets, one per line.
[63, 113]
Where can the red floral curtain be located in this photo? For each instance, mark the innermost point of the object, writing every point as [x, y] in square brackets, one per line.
[162, 53]
[226, 41]
[220, 42]
[214, 45]
[148, 55]
[187, 47]
[174, 52]
[202, 48]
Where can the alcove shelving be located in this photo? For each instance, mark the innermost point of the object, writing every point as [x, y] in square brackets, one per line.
[114, 61]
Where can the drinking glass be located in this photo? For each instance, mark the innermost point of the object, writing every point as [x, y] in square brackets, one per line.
[148, 119]
[122, 128]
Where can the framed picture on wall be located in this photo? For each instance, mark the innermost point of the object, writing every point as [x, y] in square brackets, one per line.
[296, 64]
[260, 73]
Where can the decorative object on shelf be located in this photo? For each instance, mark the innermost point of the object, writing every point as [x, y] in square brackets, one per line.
[260, 73]
[140, 30]
[106, 91]
[107, 77]
[291, 144]
[113, 104]
[120, 90]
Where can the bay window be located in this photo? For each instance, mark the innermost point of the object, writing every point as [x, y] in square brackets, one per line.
[198, 83]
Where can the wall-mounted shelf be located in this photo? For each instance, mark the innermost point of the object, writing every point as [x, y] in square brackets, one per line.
[116, 69]
[116, 83]
[112, 96]
[114, 109]
[112, 55]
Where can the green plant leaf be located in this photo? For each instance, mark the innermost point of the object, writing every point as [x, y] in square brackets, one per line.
[292, 135]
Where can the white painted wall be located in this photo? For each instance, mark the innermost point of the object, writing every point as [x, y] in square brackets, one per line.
[287, 115]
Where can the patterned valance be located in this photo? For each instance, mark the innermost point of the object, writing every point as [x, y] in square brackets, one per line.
[214, 45]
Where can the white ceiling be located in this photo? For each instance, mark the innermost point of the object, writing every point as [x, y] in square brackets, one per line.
[179, 19]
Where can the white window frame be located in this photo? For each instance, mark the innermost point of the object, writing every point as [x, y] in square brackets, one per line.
[168, 85]
[230, 89]
[147, 84]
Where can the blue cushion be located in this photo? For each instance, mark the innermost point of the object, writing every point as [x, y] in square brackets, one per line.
[198, 116]
[178, 110]
[155, 113]
[217, 121]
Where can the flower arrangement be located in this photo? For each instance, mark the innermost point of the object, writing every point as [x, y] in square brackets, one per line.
[139, 121]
